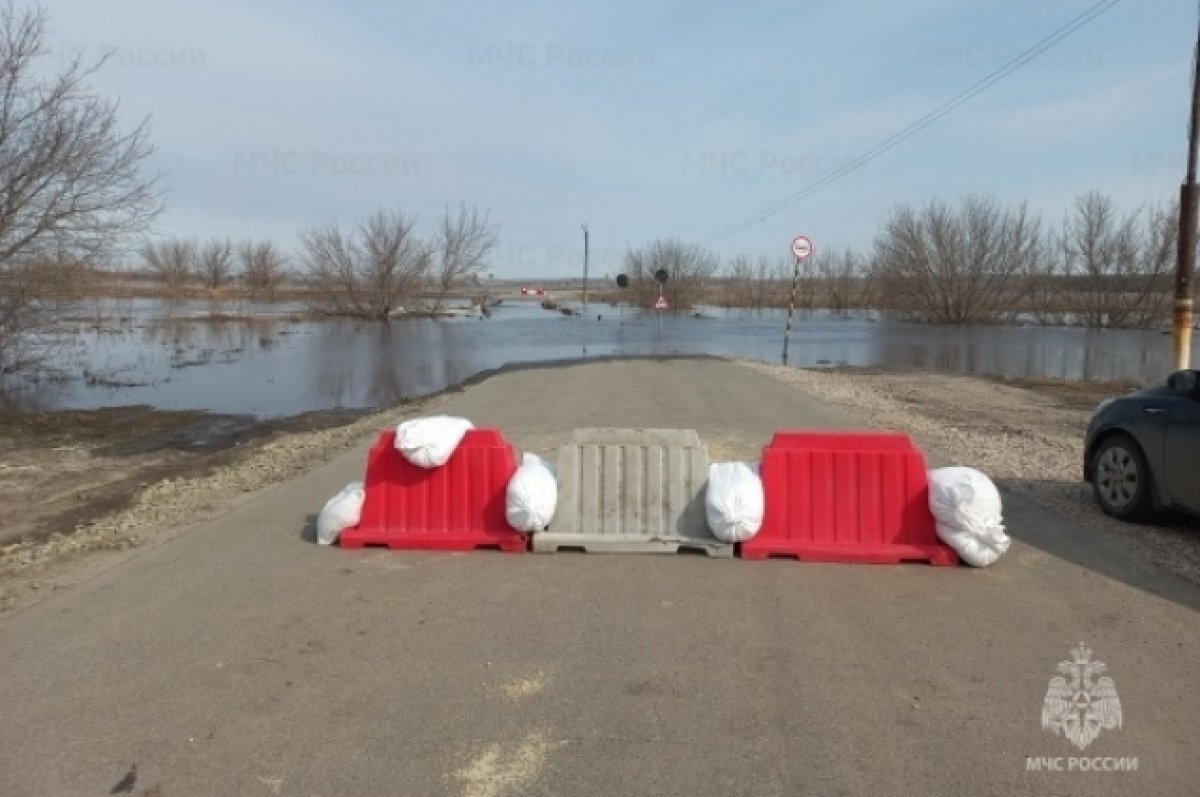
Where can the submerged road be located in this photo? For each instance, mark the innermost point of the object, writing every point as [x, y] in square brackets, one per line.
[238, 658]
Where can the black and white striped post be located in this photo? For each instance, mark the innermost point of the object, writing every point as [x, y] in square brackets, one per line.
[801, 248]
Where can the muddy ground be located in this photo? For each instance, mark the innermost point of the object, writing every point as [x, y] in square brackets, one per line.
[63, 469]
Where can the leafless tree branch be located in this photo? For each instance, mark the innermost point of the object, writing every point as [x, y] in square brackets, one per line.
[71, 181]
[262, 268]
[379, 268]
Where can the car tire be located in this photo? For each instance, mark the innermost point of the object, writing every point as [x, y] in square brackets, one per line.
[1121, 479]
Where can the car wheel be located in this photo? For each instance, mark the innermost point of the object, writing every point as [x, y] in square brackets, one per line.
[1121, 479]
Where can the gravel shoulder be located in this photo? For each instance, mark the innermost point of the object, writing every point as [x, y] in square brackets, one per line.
[1026, 435]
[68, 467]
[125, 499]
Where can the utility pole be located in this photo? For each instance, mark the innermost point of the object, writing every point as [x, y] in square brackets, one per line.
[585, 267]
[1185, 267]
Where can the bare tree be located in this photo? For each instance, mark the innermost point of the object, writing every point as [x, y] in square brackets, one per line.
[956, 266]
[737, 288]
[772, 283]
[333, 266]
[1047, 298]
[688, 267]
[1117, 265]
[173, 263]
[262, 268]
[460, 247]
[1159, 248]
[840, 280]
[20, 313]
[756, 285]
[60, 281]
[214, 261]
[374, 270]
[70, 179]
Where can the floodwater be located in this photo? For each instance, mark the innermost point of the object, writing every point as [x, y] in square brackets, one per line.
[274, 365]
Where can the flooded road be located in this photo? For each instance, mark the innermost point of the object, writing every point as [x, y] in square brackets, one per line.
[196, 356]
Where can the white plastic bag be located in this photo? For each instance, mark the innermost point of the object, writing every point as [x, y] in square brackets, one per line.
[340, 513]
[429, 442]
[532, 495]
[733, 500]
[966, 506]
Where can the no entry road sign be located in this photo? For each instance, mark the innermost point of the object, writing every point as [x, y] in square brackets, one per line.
[801, 247]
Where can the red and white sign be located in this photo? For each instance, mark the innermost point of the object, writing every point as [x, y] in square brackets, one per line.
[801, 247]
[661, 304]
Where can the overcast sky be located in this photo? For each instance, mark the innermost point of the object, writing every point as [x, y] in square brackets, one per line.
[645, 118]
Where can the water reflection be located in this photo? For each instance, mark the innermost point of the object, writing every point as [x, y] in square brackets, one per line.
[190, 355]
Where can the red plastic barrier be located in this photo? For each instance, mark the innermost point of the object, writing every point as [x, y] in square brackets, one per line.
[457, 507]
[846, 497]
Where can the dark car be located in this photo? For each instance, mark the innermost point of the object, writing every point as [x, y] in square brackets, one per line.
[1142, 451]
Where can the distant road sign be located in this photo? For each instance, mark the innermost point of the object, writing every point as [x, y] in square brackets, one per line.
[801, 247]
[661, 304]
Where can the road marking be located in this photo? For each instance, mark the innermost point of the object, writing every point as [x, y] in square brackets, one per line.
[497, 771]
[274, 783]
[524, 687]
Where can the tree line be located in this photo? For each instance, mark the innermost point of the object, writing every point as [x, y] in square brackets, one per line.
[382, 265]
[977, 261]
[178, 262]
[385, 265]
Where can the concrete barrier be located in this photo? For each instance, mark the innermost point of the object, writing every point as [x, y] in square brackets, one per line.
[631, 491]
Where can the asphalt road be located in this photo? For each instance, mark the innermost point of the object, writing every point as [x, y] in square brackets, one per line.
[238, 658]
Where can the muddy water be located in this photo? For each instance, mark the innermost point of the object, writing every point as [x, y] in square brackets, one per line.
[275, 364]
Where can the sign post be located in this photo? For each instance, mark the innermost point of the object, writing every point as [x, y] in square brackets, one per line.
[661, 277]
[801, 249]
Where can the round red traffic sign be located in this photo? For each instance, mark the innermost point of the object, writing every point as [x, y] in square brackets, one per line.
[801, 247]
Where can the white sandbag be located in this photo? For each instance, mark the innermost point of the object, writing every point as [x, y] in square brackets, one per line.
[733, 500]
[429, 442]
[967, 509]
[340, 513]
[532, 495]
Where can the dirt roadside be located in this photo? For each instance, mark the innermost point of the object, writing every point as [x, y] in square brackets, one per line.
[82, 483]
[109, 479]
[68, 468]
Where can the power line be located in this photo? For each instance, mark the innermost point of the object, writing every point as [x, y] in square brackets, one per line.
[1012, 65]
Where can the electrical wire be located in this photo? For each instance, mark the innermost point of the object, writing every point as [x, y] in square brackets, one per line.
[1006, 69]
